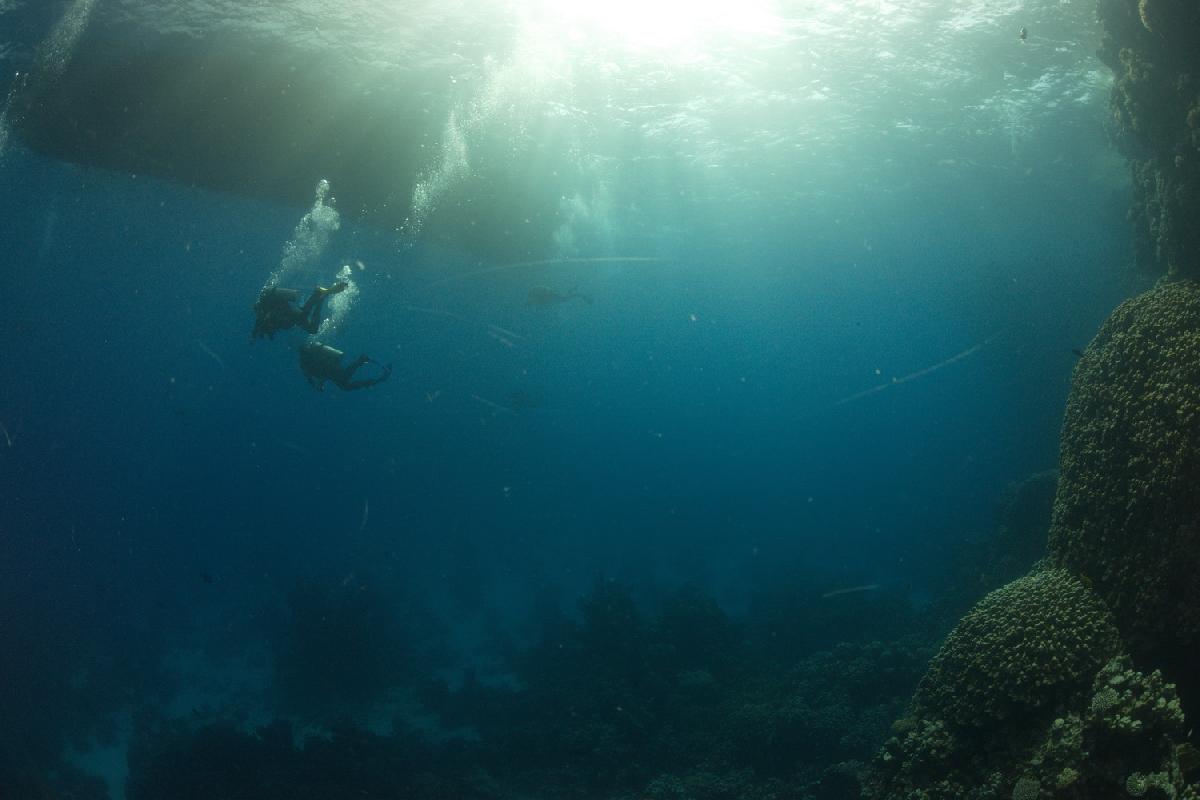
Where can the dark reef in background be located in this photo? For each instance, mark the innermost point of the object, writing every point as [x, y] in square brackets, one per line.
[275, 762]
[1153, 49]
[682, 704]
[677, 701]
[67, 670]
[346, 643]
[614, 703]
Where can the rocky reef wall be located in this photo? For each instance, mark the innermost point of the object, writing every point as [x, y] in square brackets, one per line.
[1077, 680]
[1153, 49]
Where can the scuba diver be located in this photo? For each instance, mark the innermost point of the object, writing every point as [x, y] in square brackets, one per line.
[320, 363]
[276, 310]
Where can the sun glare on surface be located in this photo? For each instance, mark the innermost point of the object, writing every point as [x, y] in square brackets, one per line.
[663, 25]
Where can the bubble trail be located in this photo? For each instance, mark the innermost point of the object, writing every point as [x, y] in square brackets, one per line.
[302, 252]
[52, 59]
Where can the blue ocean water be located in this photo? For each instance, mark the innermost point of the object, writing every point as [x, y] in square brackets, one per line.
[837, 272]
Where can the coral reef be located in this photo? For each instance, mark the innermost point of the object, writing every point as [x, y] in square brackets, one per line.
[684, 704]
[1034, 694]
[613, 702]
[1153, 49]
[176, 760]
[1123, 737]
[1024, 648]
[1127, 508]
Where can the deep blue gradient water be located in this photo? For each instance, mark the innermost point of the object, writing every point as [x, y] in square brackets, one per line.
[706, 420]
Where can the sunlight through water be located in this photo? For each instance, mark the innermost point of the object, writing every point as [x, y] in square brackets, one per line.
[682, 28]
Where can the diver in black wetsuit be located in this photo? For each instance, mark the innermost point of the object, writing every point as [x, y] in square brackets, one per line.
[320, 363]
[276, 310]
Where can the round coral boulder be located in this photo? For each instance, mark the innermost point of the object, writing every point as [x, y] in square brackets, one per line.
[1127, 513]
[1033, 644]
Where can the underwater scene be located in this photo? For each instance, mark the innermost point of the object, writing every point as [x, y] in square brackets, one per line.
[600, 400]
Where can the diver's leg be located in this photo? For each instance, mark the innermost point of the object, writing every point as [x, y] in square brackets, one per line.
[311, 311]
[348, 373]
[350, 385]
[319, 293]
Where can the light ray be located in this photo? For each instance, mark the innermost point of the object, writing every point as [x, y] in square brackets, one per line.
[912, 376]
[462, 276]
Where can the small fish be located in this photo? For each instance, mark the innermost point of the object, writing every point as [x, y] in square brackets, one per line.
[7, 436]
[544, 296]
[1078, 353]
[208, 578]
[366, 515]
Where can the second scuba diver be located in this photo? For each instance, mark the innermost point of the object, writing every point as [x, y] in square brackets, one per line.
[321, 363]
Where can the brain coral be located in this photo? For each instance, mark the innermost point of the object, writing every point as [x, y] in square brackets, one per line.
[1127, 512]
[1028, 645]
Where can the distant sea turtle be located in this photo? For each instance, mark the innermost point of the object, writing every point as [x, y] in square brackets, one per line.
[543, 296]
